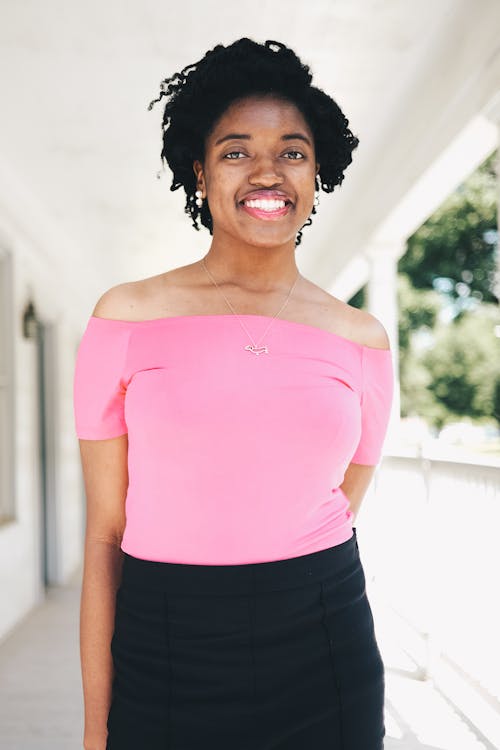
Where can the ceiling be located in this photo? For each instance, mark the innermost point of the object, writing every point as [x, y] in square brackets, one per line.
[80, 151]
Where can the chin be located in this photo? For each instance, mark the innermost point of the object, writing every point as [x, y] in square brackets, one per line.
[268, 238]
[268, 241]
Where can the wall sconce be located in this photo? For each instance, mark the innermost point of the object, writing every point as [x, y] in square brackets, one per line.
[30, 321]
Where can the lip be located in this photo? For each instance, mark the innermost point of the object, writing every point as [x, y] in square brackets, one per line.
[258, 213]
[266, 194]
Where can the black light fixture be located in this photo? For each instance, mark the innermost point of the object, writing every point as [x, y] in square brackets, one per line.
[30, 321]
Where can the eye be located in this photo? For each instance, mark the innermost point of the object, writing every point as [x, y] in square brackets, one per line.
[296, 152]
[230, 154]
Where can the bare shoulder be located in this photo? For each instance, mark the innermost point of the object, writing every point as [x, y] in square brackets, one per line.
[124, 301]
[349, 321]
[372, 332]
[151, 297]
[115, 302]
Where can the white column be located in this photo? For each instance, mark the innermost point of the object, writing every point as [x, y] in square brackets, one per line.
[383, 304]
[492, 112]
[497, 170]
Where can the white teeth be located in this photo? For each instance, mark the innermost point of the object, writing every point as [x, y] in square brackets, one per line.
[265, 205]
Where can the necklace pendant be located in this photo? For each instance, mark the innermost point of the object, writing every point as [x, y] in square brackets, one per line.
[257, 349]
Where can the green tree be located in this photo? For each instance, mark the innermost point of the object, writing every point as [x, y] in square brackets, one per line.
[496, 400]
[418, 311]
[449, 358]
[464, 366]
[455, 250]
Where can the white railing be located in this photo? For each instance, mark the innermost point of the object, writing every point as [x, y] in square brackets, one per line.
[429, 532]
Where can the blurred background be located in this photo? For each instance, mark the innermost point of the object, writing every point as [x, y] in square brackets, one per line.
[411, 235]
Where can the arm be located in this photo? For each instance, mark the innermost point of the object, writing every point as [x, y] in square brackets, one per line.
[105, 471]
[357, 479]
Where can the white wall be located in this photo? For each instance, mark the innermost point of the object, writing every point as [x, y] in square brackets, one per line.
[54, 276]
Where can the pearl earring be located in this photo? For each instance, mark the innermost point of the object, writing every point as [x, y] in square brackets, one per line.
[316, 199]
[199, 199]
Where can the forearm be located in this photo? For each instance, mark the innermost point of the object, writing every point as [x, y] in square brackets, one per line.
[357, 479]
[101, 578]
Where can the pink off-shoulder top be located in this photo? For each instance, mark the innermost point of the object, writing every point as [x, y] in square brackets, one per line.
[233, 457]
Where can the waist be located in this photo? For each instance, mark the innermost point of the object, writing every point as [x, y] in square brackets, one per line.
[245, 578]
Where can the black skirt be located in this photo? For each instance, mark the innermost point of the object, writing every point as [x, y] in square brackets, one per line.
[278, 655]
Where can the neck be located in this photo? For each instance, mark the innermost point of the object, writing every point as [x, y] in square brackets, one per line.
[256, 272]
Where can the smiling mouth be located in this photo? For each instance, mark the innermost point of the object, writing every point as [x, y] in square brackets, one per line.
[266, 209]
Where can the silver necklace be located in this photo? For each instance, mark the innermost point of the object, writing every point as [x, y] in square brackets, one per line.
[253, 347]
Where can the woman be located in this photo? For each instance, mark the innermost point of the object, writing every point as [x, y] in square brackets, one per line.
[226, 446]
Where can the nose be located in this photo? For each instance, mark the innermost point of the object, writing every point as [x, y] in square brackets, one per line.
[265, 172]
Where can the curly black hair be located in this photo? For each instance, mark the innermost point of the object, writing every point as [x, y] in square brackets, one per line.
[199, 95]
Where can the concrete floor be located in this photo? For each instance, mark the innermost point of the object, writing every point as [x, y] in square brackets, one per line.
[41, 697]
[40, 684]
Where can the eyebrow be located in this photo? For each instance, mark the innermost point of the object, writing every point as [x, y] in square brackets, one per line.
[246, 136]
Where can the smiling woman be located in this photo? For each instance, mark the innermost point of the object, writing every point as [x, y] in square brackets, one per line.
[266, 173]
[198, 119]
[224, 602]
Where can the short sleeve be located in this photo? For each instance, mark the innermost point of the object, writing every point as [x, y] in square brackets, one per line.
[99, 385]
[376, 402]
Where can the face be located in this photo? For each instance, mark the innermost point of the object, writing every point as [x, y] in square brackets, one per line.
[260, 149]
